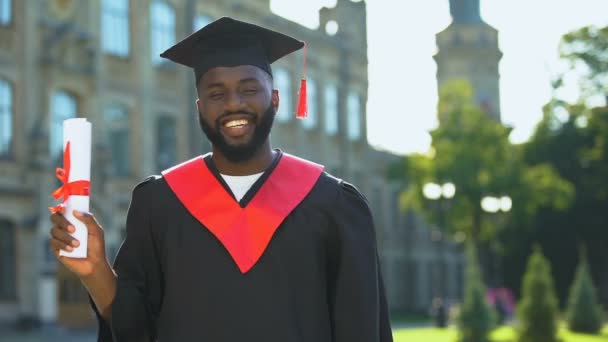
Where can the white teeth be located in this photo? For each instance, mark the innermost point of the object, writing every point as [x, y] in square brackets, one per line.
[235, 123]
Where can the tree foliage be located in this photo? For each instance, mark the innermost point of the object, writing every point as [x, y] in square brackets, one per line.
[538, 309]
[477, 318]
[573, 138]
[584, 312]
[472, 150]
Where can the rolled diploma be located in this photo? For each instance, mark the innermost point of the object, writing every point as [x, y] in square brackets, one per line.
[78, 133]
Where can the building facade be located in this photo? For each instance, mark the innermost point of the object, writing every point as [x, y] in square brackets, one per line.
[99, 59]
[468, 50]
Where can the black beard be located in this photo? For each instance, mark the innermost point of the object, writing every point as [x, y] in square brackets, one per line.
[243, 152]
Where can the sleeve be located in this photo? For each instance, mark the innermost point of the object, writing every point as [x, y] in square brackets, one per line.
[358, 306]
[138, 290]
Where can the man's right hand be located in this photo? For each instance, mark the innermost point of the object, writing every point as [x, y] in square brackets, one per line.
[94, 271]
[62, 240]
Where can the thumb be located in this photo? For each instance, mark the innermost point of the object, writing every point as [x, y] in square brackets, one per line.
[89, 220]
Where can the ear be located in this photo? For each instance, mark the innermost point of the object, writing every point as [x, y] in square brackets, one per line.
[275, 99]
[198, 104]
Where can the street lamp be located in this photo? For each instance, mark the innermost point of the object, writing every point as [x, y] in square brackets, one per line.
[437, 193]
[493, 205]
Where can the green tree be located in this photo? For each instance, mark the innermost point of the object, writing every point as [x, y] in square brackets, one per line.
[538, 309]
[472, 151]
[584, 312]
[476, 318]
[573, 139]
[585, 49]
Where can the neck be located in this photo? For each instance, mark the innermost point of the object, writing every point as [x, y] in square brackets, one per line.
[260, 161]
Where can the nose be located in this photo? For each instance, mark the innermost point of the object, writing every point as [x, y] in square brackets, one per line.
[234, 101]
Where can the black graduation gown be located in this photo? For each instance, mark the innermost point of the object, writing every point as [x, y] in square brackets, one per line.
[317, 281]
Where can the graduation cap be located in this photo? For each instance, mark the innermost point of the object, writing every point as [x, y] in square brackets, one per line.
[228, 42]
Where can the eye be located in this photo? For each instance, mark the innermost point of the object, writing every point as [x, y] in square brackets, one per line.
[250, 91]
[216, 96]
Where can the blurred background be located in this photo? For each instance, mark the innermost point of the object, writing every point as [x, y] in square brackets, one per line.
[477, 129]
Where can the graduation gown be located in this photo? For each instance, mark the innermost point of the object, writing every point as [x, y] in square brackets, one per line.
[316, 280]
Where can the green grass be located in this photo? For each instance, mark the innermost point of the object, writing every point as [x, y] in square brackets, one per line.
[502, 334]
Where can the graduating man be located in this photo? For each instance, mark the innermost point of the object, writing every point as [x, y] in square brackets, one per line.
[246, 243]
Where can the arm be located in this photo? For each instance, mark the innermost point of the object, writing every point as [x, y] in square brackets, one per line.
[357, 302]
[136, 303]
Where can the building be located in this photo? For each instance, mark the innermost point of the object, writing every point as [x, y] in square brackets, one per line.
[468, 49]
[99, 59]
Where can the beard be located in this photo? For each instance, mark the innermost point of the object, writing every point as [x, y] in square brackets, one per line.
[239, 153]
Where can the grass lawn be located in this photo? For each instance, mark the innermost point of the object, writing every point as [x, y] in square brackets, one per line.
[502, 334]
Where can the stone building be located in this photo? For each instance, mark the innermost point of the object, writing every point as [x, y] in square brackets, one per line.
[99, 59]
[468, 49]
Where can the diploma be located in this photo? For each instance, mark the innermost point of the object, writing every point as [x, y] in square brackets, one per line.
[75, 176]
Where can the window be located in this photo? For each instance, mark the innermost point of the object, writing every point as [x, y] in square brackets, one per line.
[63, 106]
[311, 121]
[6, 118]
[331, 109]
[282, 81]
[115, 27]
[162, 19]
[200, 21]
[353, 108]
[117, 126]
[6, 12]
[8, 261]
[166, 142]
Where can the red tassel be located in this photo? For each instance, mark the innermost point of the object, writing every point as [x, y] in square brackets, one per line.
[302, 112]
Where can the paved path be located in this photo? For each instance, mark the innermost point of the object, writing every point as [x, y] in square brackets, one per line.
[48, 335]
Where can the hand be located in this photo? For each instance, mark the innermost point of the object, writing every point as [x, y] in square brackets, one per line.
[62, 240]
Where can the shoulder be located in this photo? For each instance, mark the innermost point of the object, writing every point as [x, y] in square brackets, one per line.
[342, 191]
[151, 187]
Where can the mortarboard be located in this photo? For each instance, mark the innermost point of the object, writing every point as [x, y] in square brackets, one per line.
[228, 42]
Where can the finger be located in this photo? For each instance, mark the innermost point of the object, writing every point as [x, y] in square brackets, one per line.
[60, 220]
[88, 219]
[63, 236]
[57, 245]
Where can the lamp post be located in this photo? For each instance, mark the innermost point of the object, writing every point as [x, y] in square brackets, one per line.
[496, 205]
[438, 194]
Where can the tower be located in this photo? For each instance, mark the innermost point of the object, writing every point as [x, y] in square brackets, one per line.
[468, 49]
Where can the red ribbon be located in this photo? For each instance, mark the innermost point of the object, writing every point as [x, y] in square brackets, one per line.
[75, 188]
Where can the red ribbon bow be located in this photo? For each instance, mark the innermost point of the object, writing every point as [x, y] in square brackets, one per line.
[75, 188]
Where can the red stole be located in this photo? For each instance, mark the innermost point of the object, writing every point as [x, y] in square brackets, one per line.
[244, 232]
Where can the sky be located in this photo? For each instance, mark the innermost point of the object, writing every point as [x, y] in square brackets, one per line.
[402, 92]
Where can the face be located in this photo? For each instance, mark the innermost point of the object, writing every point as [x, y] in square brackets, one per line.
[236, 108]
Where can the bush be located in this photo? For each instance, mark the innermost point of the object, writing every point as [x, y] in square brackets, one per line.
[584, 313]
[476, 316]
[537, 312]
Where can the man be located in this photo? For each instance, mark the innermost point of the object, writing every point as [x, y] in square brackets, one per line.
[244, 244]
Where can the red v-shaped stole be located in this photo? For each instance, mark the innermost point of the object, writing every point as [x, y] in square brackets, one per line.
[244, 232]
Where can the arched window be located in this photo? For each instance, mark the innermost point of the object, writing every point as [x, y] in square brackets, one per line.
[115, 27]
[162, 21]
[311, 88]
[6, 12]
[331, 109]
[166, 142]
[353, 108]
[63, 106]
[116, 119]
[282, 82]
[8, 260]
[6, 119]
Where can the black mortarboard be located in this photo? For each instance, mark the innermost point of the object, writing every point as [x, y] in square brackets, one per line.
[229, 42]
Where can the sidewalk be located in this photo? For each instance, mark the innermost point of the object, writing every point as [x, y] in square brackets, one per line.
[51, 334]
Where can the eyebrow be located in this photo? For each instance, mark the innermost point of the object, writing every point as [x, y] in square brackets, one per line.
[244, 80]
